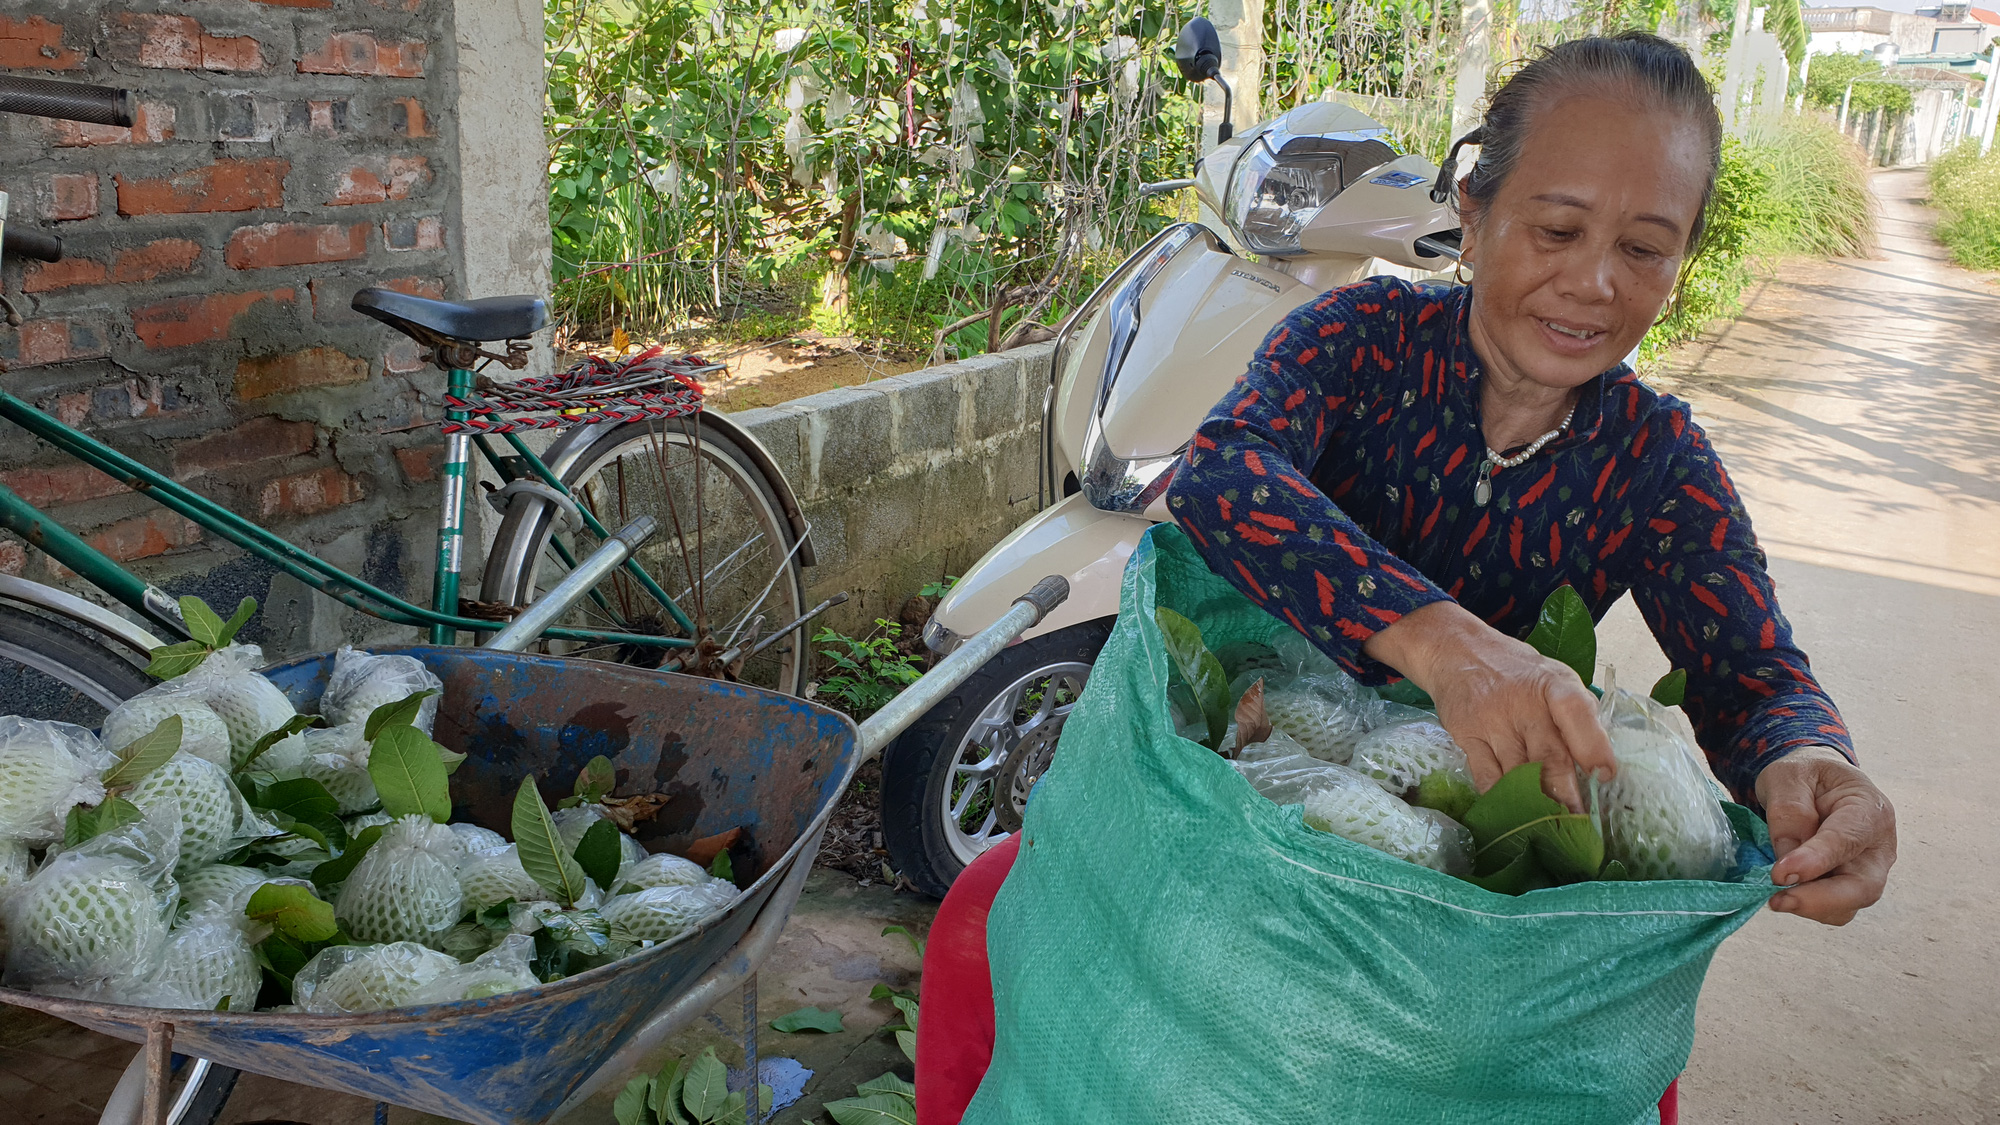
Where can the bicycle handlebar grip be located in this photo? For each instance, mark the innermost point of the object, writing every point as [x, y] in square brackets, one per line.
[1046, 595]
[69, 101]
[31, 244]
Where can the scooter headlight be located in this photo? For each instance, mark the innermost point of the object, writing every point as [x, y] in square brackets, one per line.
[1282, 181]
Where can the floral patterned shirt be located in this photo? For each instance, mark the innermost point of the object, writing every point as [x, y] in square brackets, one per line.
[1334, 484]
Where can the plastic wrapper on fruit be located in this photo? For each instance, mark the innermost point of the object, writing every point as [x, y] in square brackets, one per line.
[46, 769]
[661, 870]
[214, 818]
[249, 705]
[573, 822]
[337, 757]
[1456, 849]
[1357, 809]
[220, 886]
[490, 877]
[1661, 816]
[1400, 757]
[1325, 715]
[363, 681]
[16, 864]
[367, 978]
[406, 887]
[203, 732]
[659, 913]
[1279, 769]
[504, 968]
[477, 839]
[208, 959]
[92, 921]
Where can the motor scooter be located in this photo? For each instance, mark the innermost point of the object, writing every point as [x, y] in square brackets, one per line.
[1322, 197]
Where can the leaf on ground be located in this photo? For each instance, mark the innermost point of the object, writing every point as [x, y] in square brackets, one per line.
[916, 942]
[83, 823]
[704, 850]
[808, 1019]
[540, 848]
[630, 1106]
[874, 1109]
[665, 1100]
[705, 1087]
[907, 1040]
[399, 712]
[145, 754]
[203, 624]
[335, 871]
[1253, 725]
[292, 910]
[908, 1007]
[598, 853]
[594, 781]
[1564, 632]
[1672, 688]
[404, 764]
[887, 1084]
[170, 661]
[883, 992]
[292, 726]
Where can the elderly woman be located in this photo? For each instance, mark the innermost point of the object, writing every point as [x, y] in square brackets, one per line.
[1405, 473]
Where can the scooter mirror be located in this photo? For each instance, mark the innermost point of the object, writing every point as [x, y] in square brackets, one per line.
[1198, 51]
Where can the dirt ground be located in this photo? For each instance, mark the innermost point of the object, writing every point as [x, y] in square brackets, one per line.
[768, 372]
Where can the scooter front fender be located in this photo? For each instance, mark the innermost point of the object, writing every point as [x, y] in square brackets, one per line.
[1087, 546]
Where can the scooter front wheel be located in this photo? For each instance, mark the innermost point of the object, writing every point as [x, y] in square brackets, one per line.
[955, 783]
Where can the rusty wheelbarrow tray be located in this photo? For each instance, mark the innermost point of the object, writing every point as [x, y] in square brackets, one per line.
[724, 756]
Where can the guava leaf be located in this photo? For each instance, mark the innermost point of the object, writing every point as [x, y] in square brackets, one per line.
[336, 870]
[1514, 801]
[1199, 668]
[916, 942]
[174, 660]
[146, 753]
[292, 910]
[705, 1086]
[404, 764]
[1516, 878]
[83, 823]
[630, 1106]
[808, 1019]
[1446, 792]
[1408, 694]
[202, 623]
[1238, 657]
[1614, 872]
[307, 803]
[1672, 689]
[245, 609]
[1564, 632]
[543, 857]
[874, 1109]
[888, 1083]
[598, 852]
[665, 1100]
[1569, 848]
[402, 712]
[292, 726]
[595, 780]
[907, 1040]
[722, 868]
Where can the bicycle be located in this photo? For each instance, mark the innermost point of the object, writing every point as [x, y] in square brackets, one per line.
[718, 593]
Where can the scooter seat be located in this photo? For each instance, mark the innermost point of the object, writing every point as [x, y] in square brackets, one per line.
[489, 318]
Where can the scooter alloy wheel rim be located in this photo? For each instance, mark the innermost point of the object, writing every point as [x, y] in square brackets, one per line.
[1033, 707]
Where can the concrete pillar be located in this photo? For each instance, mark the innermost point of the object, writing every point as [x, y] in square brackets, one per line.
[1475, 56]
[1240, 26]
[1989, 102]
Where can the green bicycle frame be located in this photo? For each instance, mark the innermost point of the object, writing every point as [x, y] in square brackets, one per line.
[442, 618]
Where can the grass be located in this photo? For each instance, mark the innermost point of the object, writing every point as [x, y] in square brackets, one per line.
[1965, 189]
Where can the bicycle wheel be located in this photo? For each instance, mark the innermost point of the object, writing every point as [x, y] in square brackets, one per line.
[51, 669]
[724, 554]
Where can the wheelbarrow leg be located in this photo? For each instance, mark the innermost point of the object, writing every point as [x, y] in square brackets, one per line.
[753, 1113]
[159, 1072]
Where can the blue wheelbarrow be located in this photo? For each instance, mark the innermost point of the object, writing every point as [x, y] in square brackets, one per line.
[723, 755]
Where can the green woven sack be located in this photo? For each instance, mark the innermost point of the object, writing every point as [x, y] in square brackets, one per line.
[1171, 947]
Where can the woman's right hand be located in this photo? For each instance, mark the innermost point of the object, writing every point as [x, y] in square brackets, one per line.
[1503, 702]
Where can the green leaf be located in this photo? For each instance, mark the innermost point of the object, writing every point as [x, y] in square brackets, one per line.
[808, 1019]
[146, 753]
[916, 942]
[1564, 632]
[174, 660]
[1407, 694]
[1569, 848]
[887, 1084]
[667, 1089]
[308, 804]
[292, 726]
[874, 1109]
[335, 871]
[1672, 688]
[202, 623]
[1199, 668]
[284, 957]
[402, 712]
[83, 823]
[705, 1087]
[598, 852]
[290, 825]
[540, 846]
[884, 992]
[1516, 878]
[630, 1106]
[409, 775]
[1614, 872]
[908, 1007]
[292, 910]
[1446, 792]
[245, 609]
[732, 1111]
[722, 867]
[595, 780]
[1514, 801]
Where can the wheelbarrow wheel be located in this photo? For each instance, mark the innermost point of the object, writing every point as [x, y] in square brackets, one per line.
[50, 669]
[196, 1096]
[955, 783]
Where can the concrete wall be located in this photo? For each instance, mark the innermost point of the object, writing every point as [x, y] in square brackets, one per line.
[910, 478]
[287, 154]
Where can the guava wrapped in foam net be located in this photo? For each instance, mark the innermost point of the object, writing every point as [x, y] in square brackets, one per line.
[1400, 757]
[203, 732]
[368, 978]
[207, 959]
[1323, 714]
[92, 921]
[214, 817]
[406, 887]
[337, 757]
[1660, 815]
[477, 839]
[361, 682]
[219, 886]
[46, 769]
[1359, 810]
[659, 913]
[249, 705]
[662, 870]
[490, 877]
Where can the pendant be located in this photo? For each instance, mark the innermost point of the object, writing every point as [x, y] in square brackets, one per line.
[1482, 490]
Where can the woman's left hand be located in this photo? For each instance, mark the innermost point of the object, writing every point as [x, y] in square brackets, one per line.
[1834, 833]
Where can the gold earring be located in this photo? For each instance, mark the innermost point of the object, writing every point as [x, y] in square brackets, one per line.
[1458, 271]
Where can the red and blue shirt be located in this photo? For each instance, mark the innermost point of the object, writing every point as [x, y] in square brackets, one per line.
[1334, 485]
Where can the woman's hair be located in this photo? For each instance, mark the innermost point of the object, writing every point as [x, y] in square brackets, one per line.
[1632, 64]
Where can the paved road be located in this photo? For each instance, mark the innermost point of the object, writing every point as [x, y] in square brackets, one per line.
[1857, 404]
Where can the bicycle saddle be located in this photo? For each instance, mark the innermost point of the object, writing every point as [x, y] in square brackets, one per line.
[422, 319]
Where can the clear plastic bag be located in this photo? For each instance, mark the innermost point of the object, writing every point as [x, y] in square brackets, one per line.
[1325, 715]
[661, 870]
[504, 968]
[368, 978]
[203, 732]
[214, 818]
[1357, 809]
[207, 959]
[337, 757]
[361, 821]
[659, 913]
[16, 864]
[573, 822]
[219, 886]
[477, 839]
[1399, 757]
[490, 877]
[46, 769]
[406, 888]
[1456, 848]
[363, 681]
[1660, 816]
[249, 705]
[92, 921]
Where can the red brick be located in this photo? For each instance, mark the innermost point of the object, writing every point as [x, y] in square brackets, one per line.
[402, 356]
[61, 484]
[303, 494]
[183, 321]
[259, 439]
[226, 185]
[13, 557]
[34, 44]
[67, 197]
[380, 180]
[360, 53]
[152, 123]
[71, 409]
[164, 42]
[51, 341]
[45, 276]
[407, 118]
[426, 233]
[295, 244]
[421, 463]
[298, 371]
[332, 297]
[156, 259]
[145, 536]
[327, 117]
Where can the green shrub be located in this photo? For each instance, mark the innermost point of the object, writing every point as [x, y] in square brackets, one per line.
[1965, 189]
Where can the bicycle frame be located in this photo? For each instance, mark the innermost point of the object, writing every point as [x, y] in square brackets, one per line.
[442, 617]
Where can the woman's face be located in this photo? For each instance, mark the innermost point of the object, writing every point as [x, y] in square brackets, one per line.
[1579, 250]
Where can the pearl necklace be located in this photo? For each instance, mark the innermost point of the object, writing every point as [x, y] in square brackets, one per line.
[1482, 491]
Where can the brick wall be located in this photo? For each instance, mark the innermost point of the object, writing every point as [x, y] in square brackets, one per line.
[286, 153]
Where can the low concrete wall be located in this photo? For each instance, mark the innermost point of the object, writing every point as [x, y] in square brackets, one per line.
[910, 478]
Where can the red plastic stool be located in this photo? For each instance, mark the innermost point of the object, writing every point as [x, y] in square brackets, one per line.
[955, 1033]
